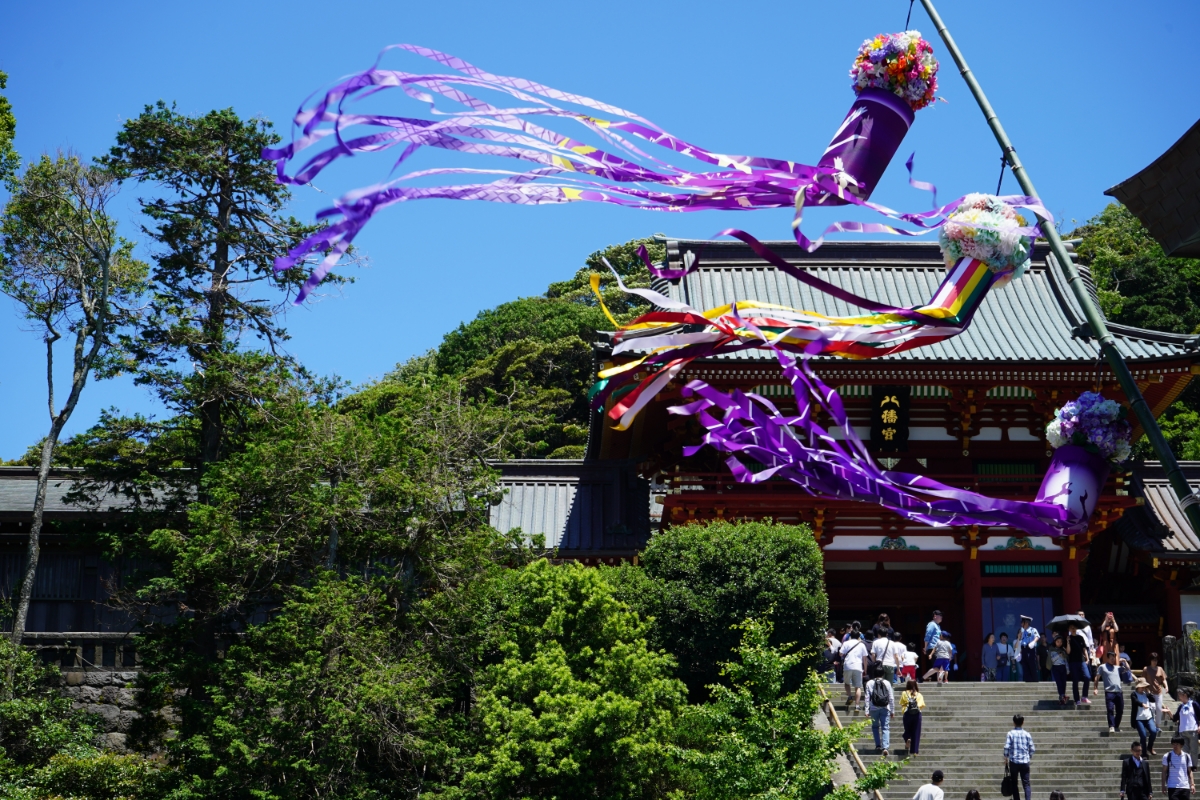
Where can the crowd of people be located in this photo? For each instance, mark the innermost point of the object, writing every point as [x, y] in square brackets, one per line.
[880, 674]
[1176, 778]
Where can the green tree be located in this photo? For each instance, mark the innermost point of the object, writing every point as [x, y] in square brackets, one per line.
[217, 220]
[36, 720]
[628, 264]
[530, 319]
[577, 704]
[71, 274]
[755, 741]
[534, 354]
[1138, 285]
[396, 481]
[699, 581]
[10, 162]
[327, 699]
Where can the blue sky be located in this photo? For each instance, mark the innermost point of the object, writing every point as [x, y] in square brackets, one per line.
[1090, 92]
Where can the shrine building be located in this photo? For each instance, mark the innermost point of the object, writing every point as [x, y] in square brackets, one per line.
[969, 411]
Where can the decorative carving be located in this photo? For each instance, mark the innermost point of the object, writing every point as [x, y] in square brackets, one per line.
[1020, 543]
[887, 543]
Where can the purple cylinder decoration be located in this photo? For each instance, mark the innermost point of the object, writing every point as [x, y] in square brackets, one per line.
[1074, 481]
[864, 145]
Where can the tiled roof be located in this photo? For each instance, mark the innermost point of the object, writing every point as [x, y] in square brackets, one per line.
[1160, 527]
[1165, 196]
[579, 506]
[1031, 319]
[18, 487]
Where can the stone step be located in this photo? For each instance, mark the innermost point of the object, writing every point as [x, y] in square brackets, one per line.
[963, 730]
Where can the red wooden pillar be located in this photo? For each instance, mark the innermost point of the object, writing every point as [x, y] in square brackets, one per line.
[1174, 614]
[973, 609]
[1070, 586]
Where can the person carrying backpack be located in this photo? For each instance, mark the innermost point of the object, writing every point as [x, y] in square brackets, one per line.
[882, 703]
[1178, 779]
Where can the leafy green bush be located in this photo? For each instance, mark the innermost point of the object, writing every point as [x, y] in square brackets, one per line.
[699, 581]
[47, 747]
[100, 776]
[36, 720]
[577, 704]
[754, 741]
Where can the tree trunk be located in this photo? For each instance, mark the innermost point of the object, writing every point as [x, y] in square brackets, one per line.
[212, 424]
[34, 548]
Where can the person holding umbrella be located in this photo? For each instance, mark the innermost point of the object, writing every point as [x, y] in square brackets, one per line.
[1077, 664]
[1058, 667]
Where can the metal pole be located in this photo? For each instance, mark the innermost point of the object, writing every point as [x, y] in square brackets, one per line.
[1095, 319]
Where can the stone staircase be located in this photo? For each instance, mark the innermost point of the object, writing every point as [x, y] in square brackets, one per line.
[963, 735]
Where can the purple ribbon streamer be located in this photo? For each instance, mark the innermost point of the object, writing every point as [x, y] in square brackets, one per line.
[916, 184]
[800, 450]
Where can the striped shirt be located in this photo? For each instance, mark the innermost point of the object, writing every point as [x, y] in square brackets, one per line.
[1018, 747]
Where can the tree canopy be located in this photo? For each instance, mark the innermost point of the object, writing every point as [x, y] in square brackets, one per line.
[699, 582]
[1138, 285]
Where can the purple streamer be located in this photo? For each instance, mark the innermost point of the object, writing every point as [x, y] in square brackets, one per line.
[800, 450]
[916, 184]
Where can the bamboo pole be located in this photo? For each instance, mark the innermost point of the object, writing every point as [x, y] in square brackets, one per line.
[1095, 319]
[831, 712]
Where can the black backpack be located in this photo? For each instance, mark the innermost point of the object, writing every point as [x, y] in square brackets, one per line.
[880, 696]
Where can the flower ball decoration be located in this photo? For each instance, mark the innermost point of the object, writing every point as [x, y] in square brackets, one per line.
[1093, 423]
[986, 229]
[900, 63]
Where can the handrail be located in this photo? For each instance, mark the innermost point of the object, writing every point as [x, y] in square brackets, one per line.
[831, 712]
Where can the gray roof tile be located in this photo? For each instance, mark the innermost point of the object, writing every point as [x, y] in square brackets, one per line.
[579, 506]
[1160, 527]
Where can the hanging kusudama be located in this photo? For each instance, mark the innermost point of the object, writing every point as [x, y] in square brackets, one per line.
[894, 75]
[1088, 435]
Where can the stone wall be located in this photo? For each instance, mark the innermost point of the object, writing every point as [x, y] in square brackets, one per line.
[108, 695]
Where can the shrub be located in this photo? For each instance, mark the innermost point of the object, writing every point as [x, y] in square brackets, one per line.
[578, 704]
[700, 581]
[754, 741]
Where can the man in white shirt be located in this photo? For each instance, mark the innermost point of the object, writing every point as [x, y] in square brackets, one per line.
[895, 657]
[854, 653]
[1187, 718]
[884, 654]
[1178, 772]
[933, 789]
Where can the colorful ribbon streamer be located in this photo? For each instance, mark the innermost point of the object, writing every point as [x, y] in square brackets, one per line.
[741, 325]
[563, 169]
